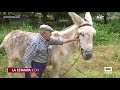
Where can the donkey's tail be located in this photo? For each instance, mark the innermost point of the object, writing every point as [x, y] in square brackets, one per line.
[1, 46]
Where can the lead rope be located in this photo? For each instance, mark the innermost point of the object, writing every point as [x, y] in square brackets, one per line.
[72, 64]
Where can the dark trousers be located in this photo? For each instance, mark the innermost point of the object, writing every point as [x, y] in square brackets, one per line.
[36, 65]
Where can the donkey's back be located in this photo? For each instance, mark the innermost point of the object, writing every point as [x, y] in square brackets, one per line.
[15, 42]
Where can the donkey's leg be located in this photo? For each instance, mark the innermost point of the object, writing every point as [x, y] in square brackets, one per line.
[55, 70]
[19, 64]
[11, 63]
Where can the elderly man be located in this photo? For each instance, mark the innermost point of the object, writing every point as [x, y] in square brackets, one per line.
[36, 54]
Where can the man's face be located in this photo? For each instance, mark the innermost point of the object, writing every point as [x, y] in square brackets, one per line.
[48, 34]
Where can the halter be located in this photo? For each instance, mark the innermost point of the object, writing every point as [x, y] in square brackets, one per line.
[80, 27]
[85, 24]
[79, 48]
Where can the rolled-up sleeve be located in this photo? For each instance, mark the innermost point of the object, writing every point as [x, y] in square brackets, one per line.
[56, 41]
[29, 54]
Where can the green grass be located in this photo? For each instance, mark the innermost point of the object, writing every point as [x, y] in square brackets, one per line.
[116, 54]
[107, 33]
[3, 66]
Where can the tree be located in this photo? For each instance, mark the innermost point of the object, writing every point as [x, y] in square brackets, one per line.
[105, 17]
[44, 15]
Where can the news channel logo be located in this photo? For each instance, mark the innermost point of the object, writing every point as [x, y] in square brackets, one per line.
[108, 70]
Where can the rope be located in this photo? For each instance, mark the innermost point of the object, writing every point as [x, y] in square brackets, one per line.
[73, 63]
[71, 66]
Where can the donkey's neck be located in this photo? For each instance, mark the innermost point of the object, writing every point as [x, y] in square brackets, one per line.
[70, 33]
[67, 33]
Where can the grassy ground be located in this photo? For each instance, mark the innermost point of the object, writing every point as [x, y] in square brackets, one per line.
[104, 56]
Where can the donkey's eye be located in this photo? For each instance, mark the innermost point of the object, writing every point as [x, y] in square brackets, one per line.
[82, 34]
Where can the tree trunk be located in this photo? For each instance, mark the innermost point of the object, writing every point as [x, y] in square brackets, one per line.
[44, 14]
[6, 19]
[105, 18]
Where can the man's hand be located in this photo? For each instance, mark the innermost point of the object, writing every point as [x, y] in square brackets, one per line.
[33, 75]
[77, 37]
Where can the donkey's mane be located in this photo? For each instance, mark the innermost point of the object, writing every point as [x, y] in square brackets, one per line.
[67, 28]
[67, 32]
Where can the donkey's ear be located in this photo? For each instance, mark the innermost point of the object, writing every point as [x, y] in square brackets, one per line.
[88, 17]
[76, 18]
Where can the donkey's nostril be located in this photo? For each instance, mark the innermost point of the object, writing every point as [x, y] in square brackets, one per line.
[88, 55]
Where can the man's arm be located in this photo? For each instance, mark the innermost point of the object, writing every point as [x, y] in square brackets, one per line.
[29, 54]
[69, 40]
[72, 39]
[56, 41]
[61, 41]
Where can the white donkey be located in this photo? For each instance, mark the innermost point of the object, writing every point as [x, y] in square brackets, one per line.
[15, 42]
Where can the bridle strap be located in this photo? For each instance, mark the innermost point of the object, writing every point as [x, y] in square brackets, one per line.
[84, 25]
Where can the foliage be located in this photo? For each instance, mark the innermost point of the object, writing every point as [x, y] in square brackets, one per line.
[107, 33]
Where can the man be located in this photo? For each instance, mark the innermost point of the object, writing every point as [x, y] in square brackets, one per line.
[36, 54]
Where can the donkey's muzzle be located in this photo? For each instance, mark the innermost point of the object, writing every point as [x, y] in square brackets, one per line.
[86, 54]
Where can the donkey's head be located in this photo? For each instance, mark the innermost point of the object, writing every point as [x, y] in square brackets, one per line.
[86, 31]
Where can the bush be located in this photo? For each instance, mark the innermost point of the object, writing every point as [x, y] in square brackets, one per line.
[107, 33]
